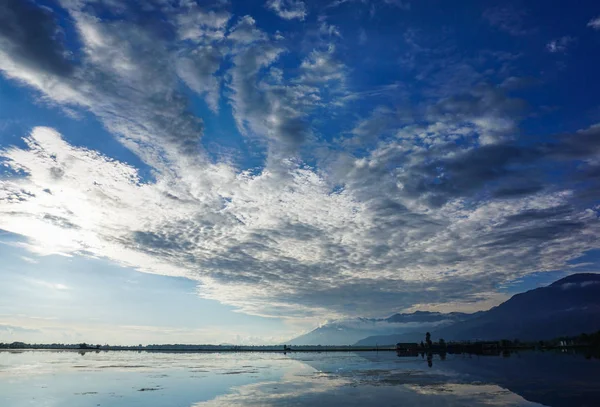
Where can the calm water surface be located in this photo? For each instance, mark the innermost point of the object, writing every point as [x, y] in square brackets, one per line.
[69, 379]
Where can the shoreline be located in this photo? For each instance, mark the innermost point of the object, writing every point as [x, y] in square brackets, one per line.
[304, 350]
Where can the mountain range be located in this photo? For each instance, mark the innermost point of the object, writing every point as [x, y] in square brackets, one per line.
[567, 307]
[349, 331]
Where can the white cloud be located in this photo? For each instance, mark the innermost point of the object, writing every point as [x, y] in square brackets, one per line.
[560, 45]
[330, 30]
[201, 25]
[245, 32]
[29, 260]
[51, 286]
[126, 79]
[284, 243]
[321, 66]
[197, 69]
[594, 23]
[265, 105]
[442, 209]
[288, 9]
[374, 126]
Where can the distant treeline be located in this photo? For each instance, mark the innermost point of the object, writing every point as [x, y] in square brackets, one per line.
[178, 347]
[582, 340]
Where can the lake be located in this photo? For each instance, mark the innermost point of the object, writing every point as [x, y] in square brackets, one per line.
[69, 379]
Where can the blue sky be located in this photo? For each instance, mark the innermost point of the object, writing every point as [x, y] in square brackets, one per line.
[241, 171]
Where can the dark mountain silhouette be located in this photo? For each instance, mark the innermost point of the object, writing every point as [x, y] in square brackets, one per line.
[567, 307]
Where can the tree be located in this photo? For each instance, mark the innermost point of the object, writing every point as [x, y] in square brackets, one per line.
[442, 343]
[428, 339]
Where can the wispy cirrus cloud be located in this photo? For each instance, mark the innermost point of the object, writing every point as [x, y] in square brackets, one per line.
[430, 202]
[560, 45]
[288, 9]
[594, 23]
[250, 240]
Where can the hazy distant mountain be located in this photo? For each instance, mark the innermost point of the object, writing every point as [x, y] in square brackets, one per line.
[349, 331]
[383, 340]
[567, 307]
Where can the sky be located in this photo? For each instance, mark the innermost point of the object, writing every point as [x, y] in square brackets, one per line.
[181, 171]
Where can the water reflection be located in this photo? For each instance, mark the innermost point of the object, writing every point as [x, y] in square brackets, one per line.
[67, 379]
[316, 392]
